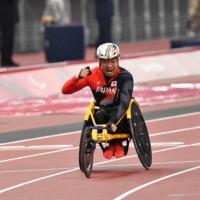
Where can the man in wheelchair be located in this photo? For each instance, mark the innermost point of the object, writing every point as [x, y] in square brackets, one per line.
[112, 87]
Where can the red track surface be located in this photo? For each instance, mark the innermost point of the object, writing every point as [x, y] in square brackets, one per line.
[29, 172]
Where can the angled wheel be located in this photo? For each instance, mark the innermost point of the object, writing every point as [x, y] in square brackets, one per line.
[87, 152]
[81, 138]
[140, 136]
[85, 123]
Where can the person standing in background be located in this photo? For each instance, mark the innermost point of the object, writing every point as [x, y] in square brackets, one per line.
[8, 18]
[56, 12]
[194, 11]
[104, 13]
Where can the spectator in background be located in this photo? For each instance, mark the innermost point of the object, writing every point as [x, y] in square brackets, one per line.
[193, 12]
[104, 13]
[8, 18]
[56, 12]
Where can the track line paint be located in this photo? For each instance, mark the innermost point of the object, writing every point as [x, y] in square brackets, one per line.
[75, 169]
[97, 167]
[35, 147]
[39, 154]
[173, 117]
[162, 163]
[75, 132]
[40, 138]
[45, 177]
[182, 195]
[35, 180]
[174, 131]
[35, 170]
[155, 181]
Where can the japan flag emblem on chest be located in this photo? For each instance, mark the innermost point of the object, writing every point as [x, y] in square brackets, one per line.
[114, 83]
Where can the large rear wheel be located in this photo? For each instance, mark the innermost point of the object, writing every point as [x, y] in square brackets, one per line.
[140, 136]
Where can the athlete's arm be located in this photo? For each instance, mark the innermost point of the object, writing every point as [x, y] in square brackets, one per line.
[125, 98]
[77, 82]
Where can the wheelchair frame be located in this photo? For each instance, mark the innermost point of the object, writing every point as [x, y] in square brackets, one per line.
[93, 133]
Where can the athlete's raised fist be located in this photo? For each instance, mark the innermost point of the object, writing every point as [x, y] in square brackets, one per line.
[84, 72]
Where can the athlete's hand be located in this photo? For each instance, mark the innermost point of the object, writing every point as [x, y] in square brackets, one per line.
[84, 72]
[111, 127]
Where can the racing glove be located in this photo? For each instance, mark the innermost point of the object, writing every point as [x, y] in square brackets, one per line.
[108, 127]
[89, 73]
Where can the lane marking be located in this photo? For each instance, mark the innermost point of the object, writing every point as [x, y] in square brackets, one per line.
[197, 144]
[51, 152]
[35, 180]
[60, 173]
[40, 138]
[35, 170]
[162, 144]
[45, 177]
[181, 195]
[97, 167]
[38, 147]
[174, 131]
[39, 154]
[173, 117]
[161, 163]
[79, 131]
[155, 181]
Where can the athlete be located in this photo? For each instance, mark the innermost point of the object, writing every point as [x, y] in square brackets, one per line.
[112, 87]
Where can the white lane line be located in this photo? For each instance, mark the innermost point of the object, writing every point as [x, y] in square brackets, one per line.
[39, 154]
[45, 177]
[35, 147]
[162, 144]
[39, 147]
[174, 117]
[40, 138]
[161, 163]
[183, 195]
[127, 157]
[35, 180]
[75, 132]
[197, 144]
[175, 131]
[155, 181]
[69, 133]
[96, 167]
[35, 170]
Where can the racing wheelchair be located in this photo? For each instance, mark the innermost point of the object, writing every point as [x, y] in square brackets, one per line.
[93, 134]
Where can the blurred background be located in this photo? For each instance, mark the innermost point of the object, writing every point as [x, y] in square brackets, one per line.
[134, 20]
[147, 32]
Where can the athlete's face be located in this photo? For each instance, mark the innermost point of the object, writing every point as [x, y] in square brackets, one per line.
[109, 66]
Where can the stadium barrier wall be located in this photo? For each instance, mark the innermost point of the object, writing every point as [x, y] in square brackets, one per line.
[48, 79]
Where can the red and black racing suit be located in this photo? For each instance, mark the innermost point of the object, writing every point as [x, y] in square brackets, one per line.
[115, 91]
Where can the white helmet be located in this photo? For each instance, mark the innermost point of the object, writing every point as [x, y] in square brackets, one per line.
[108, 51]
